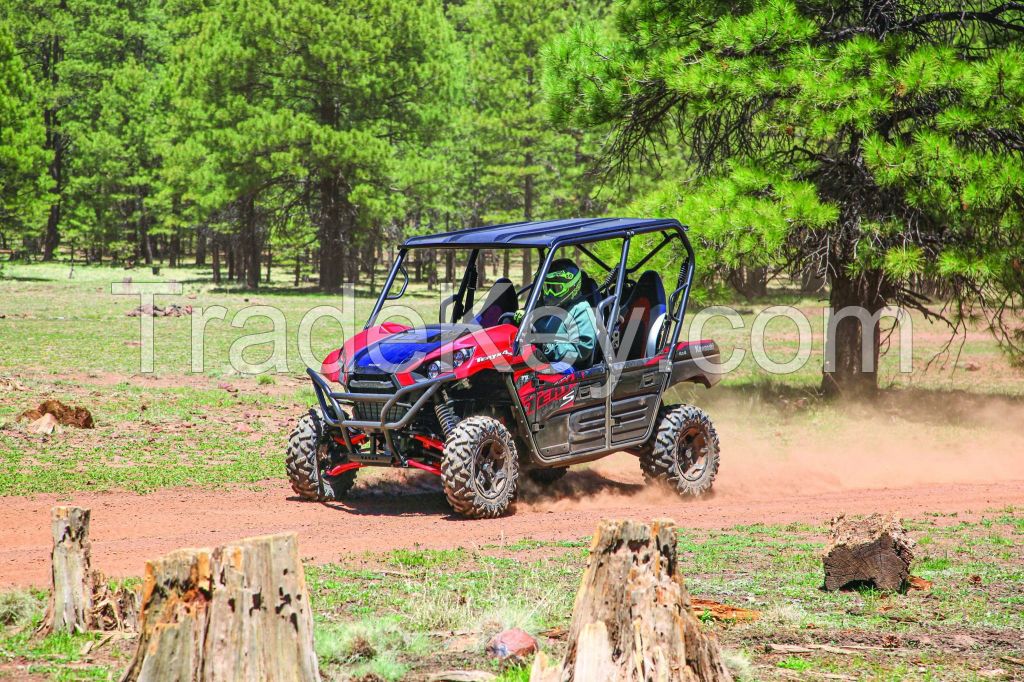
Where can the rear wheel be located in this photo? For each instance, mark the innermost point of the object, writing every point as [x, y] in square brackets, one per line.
[309, 453]
[480, 469]
[684, 454]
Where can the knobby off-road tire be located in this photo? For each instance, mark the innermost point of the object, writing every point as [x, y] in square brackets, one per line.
[480, 469]
[306, 446]
[684, 454]
[548, 476]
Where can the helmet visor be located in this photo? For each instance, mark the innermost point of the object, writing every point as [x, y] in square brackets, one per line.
[560, 287]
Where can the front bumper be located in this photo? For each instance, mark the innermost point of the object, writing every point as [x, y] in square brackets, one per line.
[332, 402]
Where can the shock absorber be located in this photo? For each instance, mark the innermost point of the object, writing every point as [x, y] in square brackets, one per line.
[446, 416]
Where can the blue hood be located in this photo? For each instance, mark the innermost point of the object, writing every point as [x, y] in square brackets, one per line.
[400, 351]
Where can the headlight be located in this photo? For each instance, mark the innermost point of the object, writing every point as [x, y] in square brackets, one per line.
[433, 369]
[461, 355]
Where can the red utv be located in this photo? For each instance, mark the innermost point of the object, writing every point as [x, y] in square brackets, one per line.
[473, 399]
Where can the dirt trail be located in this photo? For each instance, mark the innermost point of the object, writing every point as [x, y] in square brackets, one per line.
[932, 454]
[128, 529]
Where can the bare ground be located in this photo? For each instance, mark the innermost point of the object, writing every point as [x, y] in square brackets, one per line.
[127, 529]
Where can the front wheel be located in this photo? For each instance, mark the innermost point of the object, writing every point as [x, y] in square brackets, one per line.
[307, 455]
[684, 454]
[480, 469]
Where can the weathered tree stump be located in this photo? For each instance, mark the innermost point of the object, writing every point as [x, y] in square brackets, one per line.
[632, 619]
[875, 550]
[71, 596]
[236, 612]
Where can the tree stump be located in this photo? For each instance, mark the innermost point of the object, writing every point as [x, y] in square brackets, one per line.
[236, 612]
[632, 619]
[875, 550]
[70, 607]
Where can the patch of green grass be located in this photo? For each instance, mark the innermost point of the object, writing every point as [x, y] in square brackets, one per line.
[52, 655]
[795, 663]
[933, 564]
[519, 673]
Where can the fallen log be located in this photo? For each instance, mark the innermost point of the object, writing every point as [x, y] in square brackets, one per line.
[72, 581]
[236, 612]
[632, 620]
[875, 550]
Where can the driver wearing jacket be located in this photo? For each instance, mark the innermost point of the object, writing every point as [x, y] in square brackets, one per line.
[573, 331]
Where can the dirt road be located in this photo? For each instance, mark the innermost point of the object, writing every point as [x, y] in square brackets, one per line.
[128, 529]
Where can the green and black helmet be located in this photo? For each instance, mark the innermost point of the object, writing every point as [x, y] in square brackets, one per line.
[562, 283]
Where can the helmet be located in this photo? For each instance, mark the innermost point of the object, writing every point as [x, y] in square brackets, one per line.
[562, 284]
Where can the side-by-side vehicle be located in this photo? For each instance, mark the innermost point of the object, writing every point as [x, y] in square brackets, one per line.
[476, 400]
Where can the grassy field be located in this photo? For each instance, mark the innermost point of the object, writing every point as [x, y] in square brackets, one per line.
[405, 613]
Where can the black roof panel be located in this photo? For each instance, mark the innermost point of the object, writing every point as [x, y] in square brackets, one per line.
[541, 234]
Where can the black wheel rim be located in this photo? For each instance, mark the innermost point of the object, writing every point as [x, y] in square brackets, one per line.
[490, 469]
[692, 454]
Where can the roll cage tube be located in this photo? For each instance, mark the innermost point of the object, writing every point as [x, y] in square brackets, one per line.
[677, 301]
[681, 295]
[385, 292]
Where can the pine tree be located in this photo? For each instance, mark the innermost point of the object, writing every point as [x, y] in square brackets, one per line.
[528, 168]
[114, 64]
[24, 180]
[306, 103]
[879, 142]
[41, 29]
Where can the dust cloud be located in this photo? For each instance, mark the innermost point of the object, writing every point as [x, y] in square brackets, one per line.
[774, 448]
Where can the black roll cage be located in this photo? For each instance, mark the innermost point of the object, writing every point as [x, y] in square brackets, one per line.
[463, 300]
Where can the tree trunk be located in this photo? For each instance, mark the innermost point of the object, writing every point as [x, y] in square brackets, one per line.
[506, 263]
[851, 350]
[236, 612]
[332, 234]
[71, 597]
[875, 550]
[632, 620]
[528, 210]
[270, 261]
[174, 252]
[201, 240]
[53, 55]
[250, 244]
[215, 243]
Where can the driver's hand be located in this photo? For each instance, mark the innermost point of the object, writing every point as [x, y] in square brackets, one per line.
[517, 317]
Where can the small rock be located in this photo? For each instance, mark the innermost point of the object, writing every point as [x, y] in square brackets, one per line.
[514, 644]
[971, 366]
